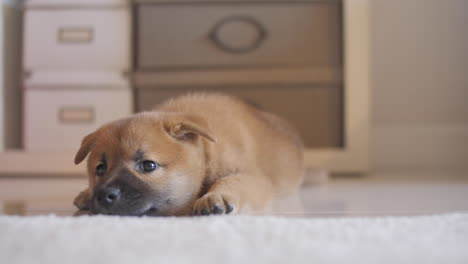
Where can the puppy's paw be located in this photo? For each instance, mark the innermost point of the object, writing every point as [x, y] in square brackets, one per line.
[82, 200]
[82, 212]
[215, 203]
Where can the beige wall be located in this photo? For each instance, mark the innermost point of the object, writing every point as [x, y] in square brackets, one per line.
[419, 84]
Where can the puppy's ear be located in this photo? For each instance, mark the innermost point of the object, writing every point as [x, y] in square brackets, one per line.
[85, 148]
[187, 128]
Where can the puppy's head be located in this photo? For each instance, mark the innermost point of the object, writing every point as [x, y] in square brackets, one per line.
[148, 164]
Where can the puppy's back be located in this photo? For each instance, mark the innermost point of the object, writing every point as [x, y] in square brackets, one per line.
[247, 136]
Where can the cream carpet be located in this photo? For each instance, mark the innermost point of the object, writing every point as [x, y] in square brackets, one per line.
[234, 239]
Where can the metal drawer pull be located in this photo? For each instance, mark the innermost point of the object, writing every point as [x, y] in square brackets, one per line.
[235, 25]
[72, 35]
[76, 115]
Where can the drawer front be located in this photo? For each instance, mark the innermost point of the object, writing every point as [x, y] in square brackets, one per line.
[316, 112]
[211, 35]
[58, 119]
[77, 39]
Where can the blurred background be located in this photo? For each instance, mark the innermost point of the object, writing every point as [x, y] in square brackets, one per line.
[377, 89]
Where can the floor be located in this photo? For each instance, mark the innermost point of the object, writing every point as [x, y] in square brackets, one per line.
[377, 194]
[388, 194]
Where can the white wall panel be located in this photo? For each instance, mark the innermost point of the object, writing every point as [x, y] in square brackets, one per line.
[419, 84]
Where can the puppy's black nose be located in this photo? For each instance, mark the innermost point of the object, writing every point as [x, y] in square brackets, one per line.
[108, 196]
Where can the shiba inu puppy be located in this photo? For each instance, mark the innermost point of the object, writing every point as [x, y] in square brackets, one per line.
[196, 154]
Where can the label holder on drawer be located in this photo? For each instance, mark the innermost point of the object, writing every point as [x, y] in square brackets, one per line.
[76, 114]
[75, 35]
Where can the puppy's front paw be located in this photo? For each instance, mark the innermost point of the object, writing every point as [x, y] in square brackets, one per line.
[82, 200]
[215, 203]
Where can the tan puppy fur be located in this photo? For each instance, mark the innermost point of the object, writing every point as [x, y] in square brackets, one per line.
[213, 154]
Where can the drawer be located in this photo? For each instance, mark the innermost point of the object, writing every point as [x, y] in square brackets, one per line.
[56, 120]
[315, 111]
[77, 39]
[306, 33]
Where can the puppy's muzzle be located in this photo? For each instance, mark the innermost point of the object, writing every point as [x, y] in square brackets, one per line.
[125, 195]
[108, 196]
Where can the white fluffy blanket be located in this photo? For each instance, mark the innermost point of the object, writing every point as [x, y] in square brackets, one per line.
[234, 239]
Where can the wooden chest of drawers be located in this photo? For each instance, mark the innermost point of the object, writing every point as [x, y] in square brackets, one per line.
[251, 44]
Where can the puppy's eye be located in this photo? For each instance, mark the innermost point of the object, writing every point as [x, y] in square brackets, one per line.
[101, 169]
[149, 166]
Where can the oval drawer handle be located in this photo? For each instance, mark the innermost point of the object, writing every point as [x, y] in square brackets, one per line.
[234, 25]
